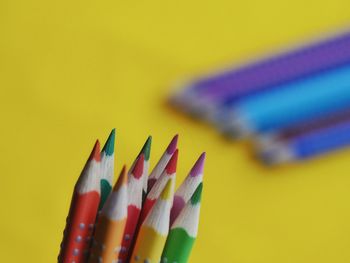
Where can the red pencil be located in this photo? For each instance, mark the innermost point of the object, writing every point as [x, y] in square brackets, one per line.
[83, 210]
[163, 161]
[169, 173]
[135, 185]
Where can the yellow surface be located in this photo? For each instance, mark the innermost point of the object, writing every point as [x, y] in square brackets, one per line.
[72, 70]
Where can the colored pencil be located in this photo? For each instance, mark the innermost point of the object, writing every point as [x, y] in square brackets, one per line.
[169, 173]
[111, 224]
[154, 230]
[83, 210]
[290, 104]
[307, 145]
[135, 184]
[146, 151]
[230, 85]
[158, 169]
[107, 168]
[187, 188]
[183, 232]
[305, 127]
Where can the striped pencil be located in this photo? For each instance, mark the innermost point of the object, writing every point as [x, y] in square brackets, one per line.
[183, 232]
[187, 188]
[158, 169]
[226, 87]
[154, 230]
[83, 210]
[290, 104]
[307, 145]
[135, 185]
[111, 224]
[305, 127]
[146, 151]
[169, 173]
[107, 168]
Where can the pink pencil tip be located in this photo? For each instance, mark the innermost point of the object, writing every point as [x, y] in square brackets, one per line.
[198, 167]
[172, 145]
[138, 168]
[95, 154]
[171, 166]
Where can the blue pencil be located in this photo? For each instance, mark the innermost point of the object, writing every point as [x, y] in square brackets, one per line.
[306, 145]
[289, 104]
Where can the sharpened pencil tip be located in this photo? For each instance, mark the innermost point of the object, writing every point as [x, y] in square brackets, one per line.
[196, 197]
[171, 166]
[198, 167]
[108, 148]
[167, 193]
[172, 145]
[122, 179]
[146, 149]
[95, 154]
[138, 168]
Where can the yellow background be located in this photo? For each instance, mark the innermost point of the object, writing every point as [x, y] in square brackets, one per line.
[72, 70]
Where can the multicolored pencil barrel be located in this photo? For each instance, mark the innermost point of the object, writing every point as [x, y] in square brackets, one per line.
[107, 168]
[290, 104]
[83, 211]
[111, 224]
[226, 87]
[154, 230]
[134, 203]
[307, 145]
[168, 174]
[183, 232]
[158, 169]
[187, 188]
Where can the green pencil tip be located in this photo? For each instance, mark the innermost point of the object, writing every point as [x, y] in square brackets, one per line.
[196, 197]
[146, 149]
[108, 148]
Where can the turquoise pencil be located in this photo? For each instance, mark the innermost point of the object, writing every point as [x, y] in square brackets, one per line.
[107, 168]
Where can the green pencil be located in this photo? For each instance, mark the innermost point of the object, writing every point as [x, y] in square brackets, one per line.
[107, 168]
[146, 151]
[183, 232]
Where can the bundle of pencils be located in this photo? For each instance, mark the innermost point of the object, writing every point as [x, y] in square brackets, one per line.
[142, 218]
[279, 94]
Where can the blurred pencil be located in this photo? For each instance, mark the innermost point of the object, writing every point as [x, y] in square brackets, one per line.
[187, 188]
[306, 145]
[154, 230]
[183, 232]
[146, 151]
[107, 168]
[169, 173]
[290, 104]
[83, 210]
[302, 128]
[200, 97]
[135, 184]
[158, 169]
[111, 224]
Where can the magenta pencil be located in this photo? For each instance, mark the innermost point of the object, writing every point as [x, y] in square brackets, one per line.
[163, 161]
[187, 188]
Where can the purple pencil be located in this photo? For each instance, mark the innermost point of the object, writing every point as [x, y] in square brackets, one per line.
[224, 88]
